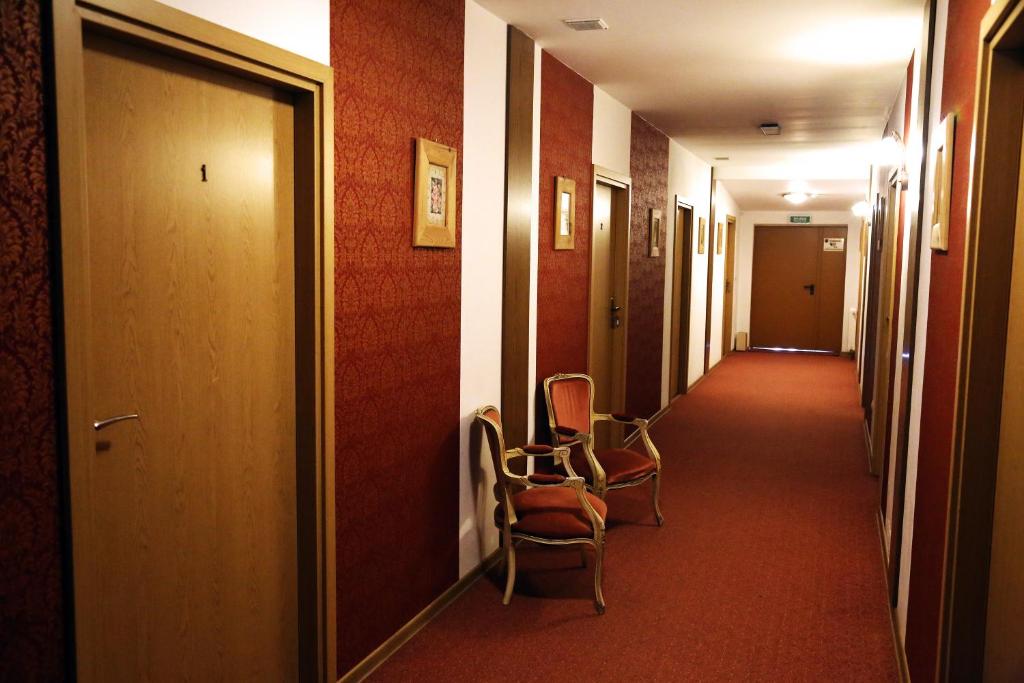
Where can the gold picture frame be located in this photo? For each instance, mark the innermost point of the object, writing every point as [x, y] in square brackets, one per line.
[718, 238]
[943, 184]
[702, 236]
[434, 214]
[565, 213]
[656, 235]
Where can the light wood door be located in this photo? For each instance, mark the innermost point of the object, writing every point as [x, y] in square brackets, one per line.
[1004, 632]
[184, 520]
[884, 329]
[798, 287]
[602, 295]
[681, 275]
[730, 277]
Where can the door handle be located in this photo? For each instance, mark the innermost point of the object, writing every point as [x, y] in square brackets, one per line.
[613, 308]
[103, 424]
[809, 288]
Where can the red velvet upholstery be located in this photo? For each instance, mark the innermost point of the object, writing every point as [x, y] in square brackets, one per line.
[562, 430]
[552, 513]
[538, 449]
[542, 478]
[570, 400]
[620, 465]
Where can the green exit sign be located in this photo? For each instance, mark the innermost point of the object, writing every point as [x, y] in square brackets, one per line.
[800, 219]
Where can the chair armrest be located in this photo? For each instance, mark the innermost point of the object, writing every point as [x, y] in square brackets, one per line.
[570, 433]
[621, 418]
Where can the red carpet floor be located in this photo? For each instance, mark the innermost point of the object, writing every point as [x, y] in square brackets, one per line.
[767, 569]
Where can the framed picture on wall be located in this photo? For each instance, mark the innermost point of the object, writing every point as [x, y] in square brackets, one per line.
[565, 213]
[718, 239]
[434, 213]
[702, 236]
[943, 183]
[655, 237]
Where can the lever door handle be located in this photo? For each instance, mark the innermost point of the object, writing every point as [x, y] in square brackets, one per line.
[809, 288]
[103, 424]
[612, 307]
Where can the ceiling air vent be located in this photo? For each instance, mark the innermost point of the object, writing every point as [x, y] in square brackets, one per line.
[771, 129]
[586, 24]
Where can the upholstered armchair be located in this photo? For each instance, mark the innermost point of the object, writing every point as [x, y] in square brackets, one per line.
[549, 509]
[571, 416]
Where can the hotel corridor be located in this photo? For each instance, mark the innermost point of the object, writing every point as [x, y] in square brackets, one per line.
[768, 567]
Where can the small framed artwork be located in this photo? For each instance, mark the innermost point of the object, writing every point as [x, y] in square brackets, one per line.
[656, 237]
[702, 236]
[565, 213]
[434, 216]
[718, 239]
[943, 184]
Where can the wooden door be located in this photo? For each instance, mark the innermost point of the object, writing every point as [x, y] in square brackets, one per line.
[798, 288]
[877, 231]
[884, 329]
[184, 519]
[1004, 632]
[609, 312]
[730, 276]
[682, 260]
[602, 296]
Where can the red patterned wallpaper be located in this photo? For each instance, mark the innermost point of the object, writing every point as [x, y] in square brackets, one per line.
[944, 304]
[563, 277]
[648, 167]
[398, 76]
[31, 642]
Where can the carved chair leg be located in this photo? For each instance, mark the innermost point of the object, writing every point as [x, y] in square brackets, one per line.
[656, 481]
[598, 562]
[510, 569]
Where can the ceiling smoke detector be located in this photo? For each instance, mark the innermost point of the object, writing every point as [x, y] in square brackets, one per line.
[771, 129]
[586, 24]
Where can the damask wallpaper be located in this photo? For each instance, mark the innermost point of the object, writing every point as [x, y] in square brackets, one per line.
[31, 642]
[648, 167]
[563, 277]
[398, 76]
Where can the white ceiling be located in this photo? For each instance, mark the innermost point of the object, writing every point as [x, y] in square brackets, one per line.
[766, 195]
[708, 72]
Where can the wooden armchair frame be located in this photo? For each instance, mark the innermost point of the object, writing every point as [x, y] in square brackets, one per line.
[562, 435]
[507, 482]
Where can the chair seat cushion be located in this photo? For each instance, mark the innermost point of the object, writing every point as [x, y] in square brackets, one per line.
[620, 465]
[552, 513]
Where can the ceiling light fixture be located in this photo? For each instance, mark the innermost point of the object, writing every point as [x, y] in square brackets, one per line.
[861, 209]
[771, 128]
[596, 24]
[796, 197]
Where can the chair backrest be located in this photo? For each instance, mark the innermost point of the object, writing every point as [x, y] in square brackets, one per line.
[490, 418]
[570, 401]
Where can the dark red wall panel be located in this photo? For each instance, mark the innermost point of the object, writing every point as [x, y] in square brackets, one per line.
[563, 277]
[31, 642]
[398, 75]
[648, 167]
[944, 304]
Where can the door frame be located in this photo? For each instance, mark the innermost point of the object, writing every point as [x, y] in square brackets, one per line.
[682, 255]
[622, 184]
[168, 30]
[879, 215]
[728, 287]
[991, 227]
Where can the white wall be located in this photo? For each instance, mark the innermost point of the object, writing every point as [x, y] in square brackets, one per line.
[689, 181]
[924, 283]
[725, 206]
[612, 132]
[483, 229]
[745, 262]
[299, 26]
